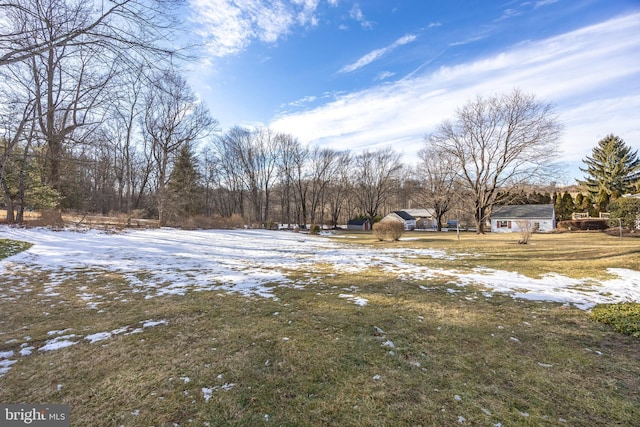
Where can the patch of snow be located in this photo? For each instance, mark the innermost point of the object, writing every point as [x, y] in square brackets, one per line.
[152, 323]
[5, 366]
[26, 351]
[356, 300]
[98, 337]
[59, 343]
[250, 262]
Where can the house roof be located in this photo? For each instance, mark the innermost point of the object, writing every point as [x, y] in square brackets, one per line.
[357, 221]
[404, 215]
[523, 211]
[420, 213]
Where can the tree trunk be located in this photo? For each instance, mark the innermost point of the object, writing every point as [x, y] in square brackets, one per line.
[479, 216]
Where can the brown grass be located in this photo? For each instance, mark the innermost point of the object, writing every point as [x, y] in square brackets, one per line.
[311, 358]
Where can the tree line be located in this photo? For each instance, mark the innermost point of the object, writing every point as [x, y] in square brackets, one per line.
[96, 116]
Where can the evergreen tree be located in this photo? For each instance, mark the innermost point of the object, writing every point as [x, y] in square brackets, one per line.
[564, 206]
[184, 191]
[582, 203]
[627, 210]
[611, 171]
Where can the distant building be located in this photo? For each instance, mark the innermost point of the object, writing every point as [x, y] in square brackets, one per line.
[359, 224]
[510, 218]
[425, 218]
[409, 221]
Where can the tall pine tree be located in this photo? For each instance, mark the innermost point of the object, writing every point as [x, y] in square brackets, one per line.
[612, 170]
[184, 189]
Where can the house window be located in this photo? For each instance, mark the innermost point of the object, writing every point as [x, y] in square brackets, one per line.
[504, 224]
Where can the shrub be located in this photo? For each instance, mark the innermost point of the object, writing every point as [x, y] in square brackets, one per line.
[627, 210]
[527, 228]
[623, 317]
[315, 229]
[390, 229]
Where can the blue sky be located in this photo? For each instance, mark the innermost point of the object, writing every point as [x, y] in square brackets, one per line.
[371, 73]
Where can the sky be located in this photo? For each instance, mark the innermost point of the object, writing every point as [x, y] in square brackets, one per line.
[368, 74]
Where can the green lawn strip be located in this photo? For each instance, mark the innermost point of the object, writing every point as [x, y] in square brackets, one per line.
[12, 247]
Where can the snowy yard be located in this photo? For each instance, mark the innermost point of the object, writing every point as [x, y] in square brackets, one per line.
[304, 330]
[252, 262]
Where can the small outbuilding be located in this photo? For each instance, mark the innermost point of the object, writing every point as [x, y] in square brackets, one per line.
[359, 224]
[513, 218]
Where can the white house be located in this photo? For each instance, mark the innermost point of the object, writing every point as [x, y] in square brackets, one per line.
[512, 218]
[408, 220]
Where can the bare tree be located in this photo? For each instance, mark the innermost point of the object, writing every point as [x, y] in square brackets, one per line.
[174, 117]
[436, 173]
[376, 173]
[339, 187]
[500, 142]
[324, 165]
[128, 28]
[293, 160]
[253, 158]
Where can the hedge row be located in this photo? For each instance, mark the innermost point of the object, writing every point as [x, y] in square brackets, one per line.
[584, 224]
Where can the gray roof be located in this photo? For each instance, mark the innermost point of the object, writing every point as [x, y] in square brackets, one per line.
[420, 213]
[404, 215]
[523, 211]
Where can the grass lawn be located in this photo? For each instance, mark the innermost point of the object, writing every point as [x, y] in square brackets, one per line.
[420, 352]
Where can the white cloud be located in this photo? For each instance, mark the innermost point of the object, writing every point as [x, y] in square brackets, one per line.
[377, 53]
[542, 3]
[587, 73]
[229, 26]
[384, 75]
[356, 13]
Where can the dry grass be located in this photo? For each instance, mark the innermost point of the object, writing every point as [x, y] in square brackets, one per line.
[312, 358]
[578, 255]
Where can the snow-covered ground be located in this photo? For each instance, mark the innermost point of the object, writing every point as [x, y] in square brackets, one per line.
[168, 261]
[250, 262]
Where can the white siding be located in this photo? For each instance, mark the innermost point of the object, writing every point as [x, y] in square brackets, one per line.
[511, 225]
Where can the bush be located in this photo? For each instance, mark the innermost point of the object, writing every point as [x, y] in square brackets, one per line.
[390, 229]
[315, 229]
[623, 317]
[627, 210]
[584, 224]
